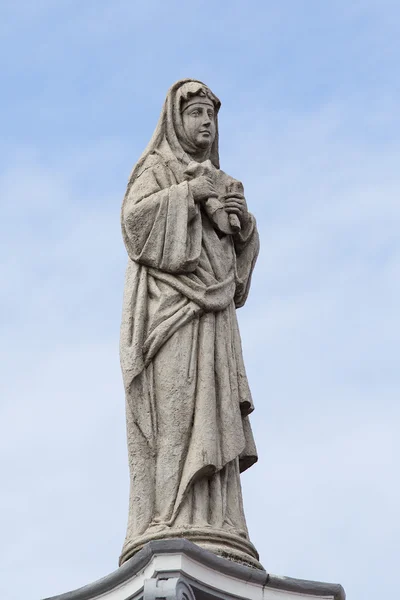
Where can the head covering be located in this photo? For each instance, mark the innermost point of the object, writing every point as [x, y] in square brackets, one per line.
[170, 132]
[201, 97]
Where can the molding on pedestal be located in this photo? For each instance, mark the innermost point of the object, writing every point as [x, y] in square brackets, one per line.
[177, 569]
[174, 588]
[224, 544]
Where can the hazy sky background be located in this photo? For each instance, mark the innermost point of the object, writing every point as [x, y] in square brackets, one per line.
[310, 123]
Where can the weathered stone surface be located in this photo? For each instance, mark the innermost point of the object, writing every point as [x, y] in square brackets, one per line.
[192, 246]
[180, 570]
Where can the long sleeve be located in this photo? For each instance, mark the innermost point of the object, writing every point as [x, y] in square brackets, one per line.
[161, 223]
[247, 245]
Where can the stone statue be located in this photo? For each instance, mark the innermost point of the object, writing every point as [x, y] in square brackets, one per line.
[192, 246]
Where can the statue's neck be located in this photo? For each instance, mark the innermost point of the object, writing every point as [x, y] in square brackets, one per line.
[201, 155]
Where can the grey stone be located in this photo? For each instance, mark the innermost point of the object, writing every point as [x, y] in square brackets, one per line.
[192, 246]
[177, 569]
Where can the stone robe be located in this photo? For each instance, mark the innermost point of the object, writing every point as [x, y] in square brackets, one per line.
[187, 394]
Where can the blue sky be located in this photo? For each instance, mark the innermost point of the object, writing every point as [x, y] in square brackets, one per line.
[310, 123]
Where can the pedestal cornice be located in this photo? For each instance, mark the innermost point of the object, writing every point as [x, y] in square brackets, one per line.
[193, 573]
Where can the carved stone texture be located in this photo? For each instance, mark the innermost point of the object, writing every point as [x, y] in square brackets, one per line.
[192, 246]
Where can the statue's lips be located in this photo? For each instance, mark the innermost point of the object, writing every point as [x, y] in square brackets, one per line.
[205, 131]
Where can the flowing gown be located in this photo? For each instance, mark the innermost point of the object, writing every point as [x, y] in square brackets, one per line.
[187, 395]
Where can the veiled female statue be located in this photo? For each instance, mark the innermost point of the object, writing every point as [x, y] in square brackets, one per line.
[192, 246]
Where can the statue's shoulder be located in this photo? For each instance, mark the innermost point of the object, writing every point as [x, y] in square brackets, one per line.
[160, 160]
[152, 161]
[155, 170]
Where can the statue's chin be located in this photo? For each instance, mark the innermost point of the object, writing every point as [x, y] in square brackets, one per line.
[204, 144]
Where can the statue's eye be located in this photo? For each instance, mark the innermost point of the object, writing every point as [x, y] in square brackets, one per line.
[195, 113]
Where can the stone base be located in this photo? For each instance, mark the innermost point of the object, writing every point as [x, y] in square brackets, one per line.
[177, 569]
[220, 542]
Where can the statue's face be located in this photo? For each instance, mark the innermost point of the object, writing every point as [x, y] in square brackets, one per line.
[199, 124]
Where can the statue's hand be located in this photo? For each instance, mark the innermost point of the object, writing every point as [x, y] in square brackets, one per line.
[235, 204]
[202, 188]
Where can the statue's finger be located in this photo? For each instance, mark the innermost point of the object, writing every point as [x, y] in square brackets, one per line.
[234, 195]
[238, 205]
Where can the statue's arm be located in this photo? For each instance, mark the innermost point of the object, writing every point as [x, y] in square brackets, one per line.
[161, 223]
[247, 246]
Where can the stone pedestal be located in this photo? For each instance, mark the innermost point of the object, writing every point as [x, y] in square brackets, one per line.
[177, 569]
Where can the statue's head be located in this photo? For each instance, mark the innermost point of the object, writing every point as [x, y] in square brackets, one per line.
[198, 110]
[195, 121]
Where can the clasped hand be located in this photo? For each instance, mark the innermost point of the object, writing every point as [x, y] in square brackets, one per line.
[234, 203]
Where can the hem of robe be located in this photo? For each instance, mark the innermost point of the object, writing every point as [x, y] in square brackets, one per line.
[218, 541]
